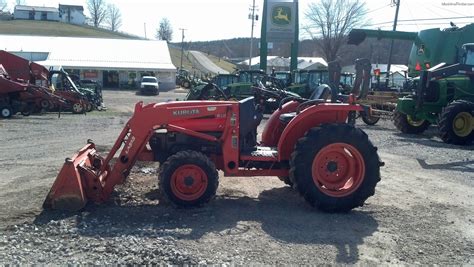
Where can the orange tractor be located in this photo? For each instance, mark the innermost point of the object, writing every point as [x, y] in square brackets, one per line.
[311, 144]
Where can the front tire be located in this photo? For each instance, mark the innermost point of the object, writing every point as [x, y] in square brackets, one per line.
[188, 179]
[369, 120]
[335, 167]
[77, 108]
[406, 124]
[6, 112]
[456, 123]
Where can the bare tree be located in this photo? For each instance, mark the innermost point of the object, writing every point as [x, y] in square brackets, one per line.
[331, 20]
[98, 11]
[165, 31]
[114, 17]
[3, 5]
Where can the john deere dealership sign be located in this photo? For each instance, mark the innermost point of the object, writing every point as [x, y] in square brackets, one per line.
[280, 20]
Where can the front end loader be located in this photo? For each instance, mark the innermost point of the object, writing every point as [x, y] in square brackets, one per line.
[310, 144]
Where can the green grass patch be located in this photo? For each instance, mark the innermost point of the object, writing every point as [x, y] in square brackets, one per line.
[53, 28]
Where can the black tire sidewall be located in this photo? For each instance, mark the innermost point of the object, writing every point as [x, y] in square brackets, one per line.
[10, 113]
[370, 120]
[446, 121]
[401, 122]
[312, 143]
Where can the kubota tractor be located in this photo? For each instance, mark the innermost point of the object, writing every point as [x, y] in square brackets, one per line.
[311, 144]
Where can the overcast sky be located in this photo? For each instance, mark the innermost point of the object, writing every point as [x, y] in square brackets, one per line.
[225, 19]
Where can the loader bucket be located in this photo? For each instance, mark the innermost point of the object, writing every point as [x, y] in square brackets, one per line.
[69, 190]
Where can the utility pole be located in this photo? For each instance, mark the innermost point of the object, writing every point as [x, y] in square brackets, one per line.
[253, 17]
[387, 76]
[182, 47]
[144, 27]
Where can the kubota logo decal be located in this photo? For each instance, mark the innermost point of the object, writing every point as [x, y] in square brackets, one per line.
[281, 15]
[185, 112]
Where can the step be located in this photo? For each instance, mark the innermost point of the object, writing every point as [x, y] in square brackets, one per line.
[260, 153]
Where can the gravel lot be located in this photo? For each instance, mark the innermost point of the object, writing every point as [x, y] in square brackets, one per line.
[422, 212]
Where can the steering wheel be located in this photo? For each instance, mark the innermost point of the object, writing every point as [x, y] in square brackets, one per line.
[205, 93]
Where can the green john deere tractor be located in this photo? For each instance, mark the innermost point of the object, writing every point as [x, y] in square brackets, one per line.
[444, 96]
[443, 93]
[304, 82]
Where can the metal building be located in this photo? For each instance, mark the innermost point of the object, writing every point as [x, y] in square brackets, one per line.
[116, 63]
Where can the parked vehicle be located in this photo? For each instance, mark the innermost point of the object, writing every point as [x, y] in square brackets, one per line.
[149, 85]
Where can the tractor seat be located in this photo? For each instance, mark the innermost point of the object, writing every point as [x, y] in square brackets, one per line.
[249, 117]
[285, 118]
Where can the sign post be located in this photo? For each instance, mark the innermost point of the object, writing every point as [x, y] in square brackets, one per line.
[279, 24]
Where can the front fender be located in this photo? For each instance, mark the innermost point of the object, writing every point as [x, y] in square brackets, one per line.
[312, 117]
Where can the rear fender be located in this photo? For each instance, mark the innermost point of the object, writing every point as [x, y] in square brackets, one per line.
[311, 117]
[274, 128]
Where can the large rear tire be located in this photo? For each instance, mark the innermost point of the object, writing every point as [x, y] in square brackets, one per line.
[456, 123]
[335, 167]
[406, 124]
[188, 179]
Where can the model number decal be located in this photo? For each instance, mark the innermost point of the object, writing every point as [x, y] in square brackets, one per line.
[130, 144]
[185, 112]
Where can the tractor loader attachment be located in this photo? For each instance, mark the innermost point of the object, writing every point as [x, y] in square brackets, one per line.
[88, 176]
[77, 181]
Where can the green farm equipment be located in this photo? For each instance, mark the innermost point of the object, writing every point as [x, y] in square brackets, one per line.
[183, 78]
[443, 93]
[444, 96]
[305, 82]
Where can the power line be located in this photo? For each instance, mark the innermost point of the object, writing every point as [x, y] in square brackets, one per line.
[447, 10]
[377, 9]
[413, 20]
[429, 23]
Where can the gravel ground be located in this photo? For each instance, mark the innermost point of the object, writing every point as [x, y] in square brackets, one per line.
[422, 212]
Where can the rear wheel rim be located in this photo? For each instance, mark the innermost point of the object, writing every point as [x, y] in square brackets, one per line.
[462, 124]
[338, 169]
[189, 182]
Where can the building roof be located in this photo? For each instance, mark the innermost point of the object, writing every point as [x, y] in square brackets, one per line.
[312, 63]
[80, 8]
[382, 67]
[303, 62]
[94, 53]
[35, 8]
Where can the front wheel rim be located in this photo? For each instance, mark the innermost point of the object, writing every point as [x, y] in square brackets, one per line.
[462, 124]
[189, 182]
[413, 122]
[338, 169]
[77, 107]
[6, 112]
